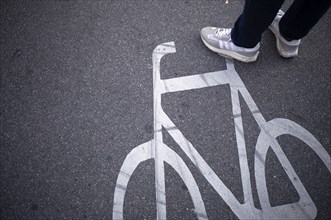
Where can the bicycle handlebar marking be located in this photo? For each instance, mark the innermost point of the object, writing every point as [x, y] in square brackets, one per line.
[270, 130]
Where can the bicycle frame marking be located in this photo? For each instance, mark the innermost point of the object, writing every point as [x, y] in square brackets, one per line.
[157, 150]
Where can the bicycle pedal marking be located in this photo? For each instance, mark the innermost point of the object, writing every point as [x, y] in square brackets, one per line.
[270, 130]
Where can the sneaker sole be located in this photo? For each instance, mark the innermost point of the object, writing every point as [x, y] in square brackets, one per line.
[230, 54]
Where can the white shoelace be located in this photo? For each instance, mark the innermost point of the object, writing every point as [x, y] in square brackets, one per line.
[223, 32]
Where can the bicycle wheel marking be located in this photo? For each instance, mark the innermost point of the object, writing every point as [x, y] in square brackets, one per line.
[133, 159]
[157, 150]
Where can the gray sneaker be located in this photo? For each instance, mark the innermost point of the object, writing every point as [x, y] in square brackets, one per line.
[219, 41]
[285, 48]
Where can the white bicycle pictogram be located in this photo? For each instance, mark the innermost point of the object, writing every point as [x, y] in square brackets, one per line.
[270, 130]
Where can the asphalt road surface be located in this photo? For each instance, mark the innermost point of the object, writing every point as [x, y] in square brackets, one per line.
[77, 97]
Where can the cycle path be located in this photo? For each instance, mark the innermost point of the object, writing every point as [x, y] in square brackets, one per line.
[77, 97]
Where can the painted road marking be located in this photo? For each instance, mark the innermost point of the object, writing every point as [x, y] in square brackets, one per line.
[270, 130]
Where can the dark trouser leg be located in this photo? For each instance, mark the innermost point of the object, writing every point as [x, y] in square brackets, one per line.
[301, 17]
[255, 19]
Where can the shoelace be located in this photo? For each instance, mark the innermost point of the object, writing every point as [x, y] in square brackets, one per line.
[223, 32]
[280, 13]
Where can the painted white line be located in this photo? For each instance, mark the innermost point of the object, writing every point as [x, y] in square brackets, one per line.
[158, 53]
[193, 82]
[240, 137]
